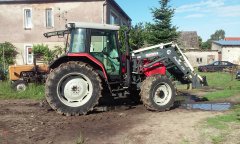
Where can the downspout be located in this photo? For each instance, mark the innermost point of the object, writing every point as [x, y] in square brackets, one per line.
[103, 12]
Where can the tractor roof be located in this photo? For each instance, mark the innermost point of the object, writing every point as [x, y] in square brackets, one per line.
[92, 26]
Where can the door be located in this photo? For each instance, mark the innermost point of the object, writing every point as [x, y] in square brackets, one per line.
[103, 46]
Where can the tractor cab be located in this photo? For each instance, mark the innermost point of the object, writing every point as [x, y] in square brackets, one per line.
[99, 41]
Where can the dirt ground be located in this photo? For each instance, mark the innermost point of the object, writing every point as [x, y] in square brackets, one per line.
[27, 121]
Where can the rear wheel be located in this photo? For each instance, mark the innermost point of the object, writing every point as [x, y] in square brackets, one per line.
[158, 93]
[73, 88]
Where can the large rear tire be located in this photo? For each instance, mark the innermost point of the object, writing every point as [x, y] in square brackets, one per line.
[73, 88]
[158, 93]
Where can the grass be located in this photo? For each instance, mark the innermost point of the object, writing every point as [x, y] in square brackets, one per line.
[225, 81]
[223, 125]
[33, 91]
[219, 122]
[80, 139]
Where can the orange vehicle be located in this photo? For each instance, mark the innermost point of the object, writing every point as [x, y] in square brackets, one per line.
[21, 75]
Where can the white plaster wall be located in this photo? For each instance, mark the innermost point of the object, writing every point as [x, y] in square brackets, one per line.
[231, 54]
[216, 47]
[192, 57]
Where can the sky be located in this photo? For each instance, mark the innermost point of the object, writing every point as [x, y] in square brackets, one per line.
[203, 16]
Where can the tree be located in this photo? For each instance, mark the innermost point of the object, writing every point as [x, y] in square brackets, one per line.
[162, 30]
[206, 45]
[218, 35]
[200, 41]
[7, 54]
[136, 36]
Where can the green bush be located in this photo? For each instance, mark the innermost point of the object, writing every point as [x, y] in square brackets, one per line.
[48, 55]
[8, 53]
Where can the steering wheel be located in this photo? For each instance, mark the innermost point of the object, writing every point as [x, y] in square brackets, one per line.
[104, 52]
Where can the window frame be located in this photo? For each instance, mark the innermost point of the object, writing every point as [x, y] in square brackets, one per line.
[27, 27]
[26, 46]
[46, 18]
[199, 60]
[112, 13]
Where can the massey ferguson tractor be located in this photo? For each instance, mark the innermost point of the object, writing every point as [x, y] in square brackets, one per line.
[93, 65]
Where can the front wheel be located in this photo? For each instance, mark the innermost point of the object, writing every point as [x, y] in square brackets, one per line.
[158, 93]
[73, 88]
[19, 85]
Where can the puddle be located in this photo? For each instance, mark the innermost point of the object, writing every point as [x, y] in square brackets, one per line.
[207, 106]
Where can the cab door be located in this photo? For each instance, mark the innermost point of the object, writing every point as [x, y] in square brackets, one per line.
[103, 46]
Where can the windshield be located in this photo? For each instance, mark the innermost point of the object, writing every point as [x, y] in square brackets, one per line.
[78, 39]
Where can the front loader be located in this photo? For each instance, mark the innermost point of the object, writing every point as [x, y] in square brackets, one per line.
[93, 65]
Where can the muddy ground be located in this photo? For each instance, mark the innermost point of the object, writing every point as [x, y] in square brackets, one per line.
[28, 122]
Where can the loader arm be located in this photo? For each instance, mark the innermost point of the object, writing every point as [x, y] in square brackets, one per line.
[171, 56]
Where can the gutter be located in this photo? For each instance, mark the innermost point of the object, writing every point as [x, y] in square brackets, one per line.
[103, 12]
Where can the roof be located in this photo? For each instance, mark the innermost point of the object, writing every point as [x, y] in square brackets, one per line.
[113, 2]
[189, 40]
[232, 39]
[227, 43]
[93, 26]
[119, 8]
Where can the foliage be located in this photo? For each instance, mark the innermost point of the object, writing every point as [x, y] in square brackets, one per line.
[9, 53]
[218, 35]
[32, 92]
[200, 41]
[162, 30]
[80, 139]
[122, 38]
[40, 49]
[47, 54]
[136, 36]
[206, 45]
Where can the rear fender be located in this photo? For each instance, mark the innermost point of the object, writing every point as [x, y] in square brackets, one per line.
[83, 57]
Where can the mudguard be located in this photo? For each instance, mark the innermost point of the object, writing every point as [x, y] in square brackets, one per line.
[83, 57]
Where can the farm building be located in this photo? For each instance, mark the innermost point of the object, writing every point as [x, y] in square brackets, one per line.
[189, 43]
[23, 22]
[188, 40]
[228, 50]
[232, 38]
[198, 57]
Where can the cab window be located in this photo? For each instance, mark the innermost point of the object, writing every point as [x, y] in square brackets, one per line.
[78, 41]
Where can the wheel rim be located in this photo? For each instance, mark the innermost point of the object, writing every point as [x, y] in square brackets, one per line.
[74, 89]
[21, 87]
[163, 94]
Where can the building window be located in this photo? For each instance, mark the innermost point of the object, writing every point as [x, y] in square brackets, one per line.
[49, 18]
[199, 60]
[28, 54]
[114, 20]
[27, 18]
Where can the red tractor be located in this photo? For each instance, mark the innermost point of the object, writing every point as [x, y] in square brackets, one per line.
[93, 64]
